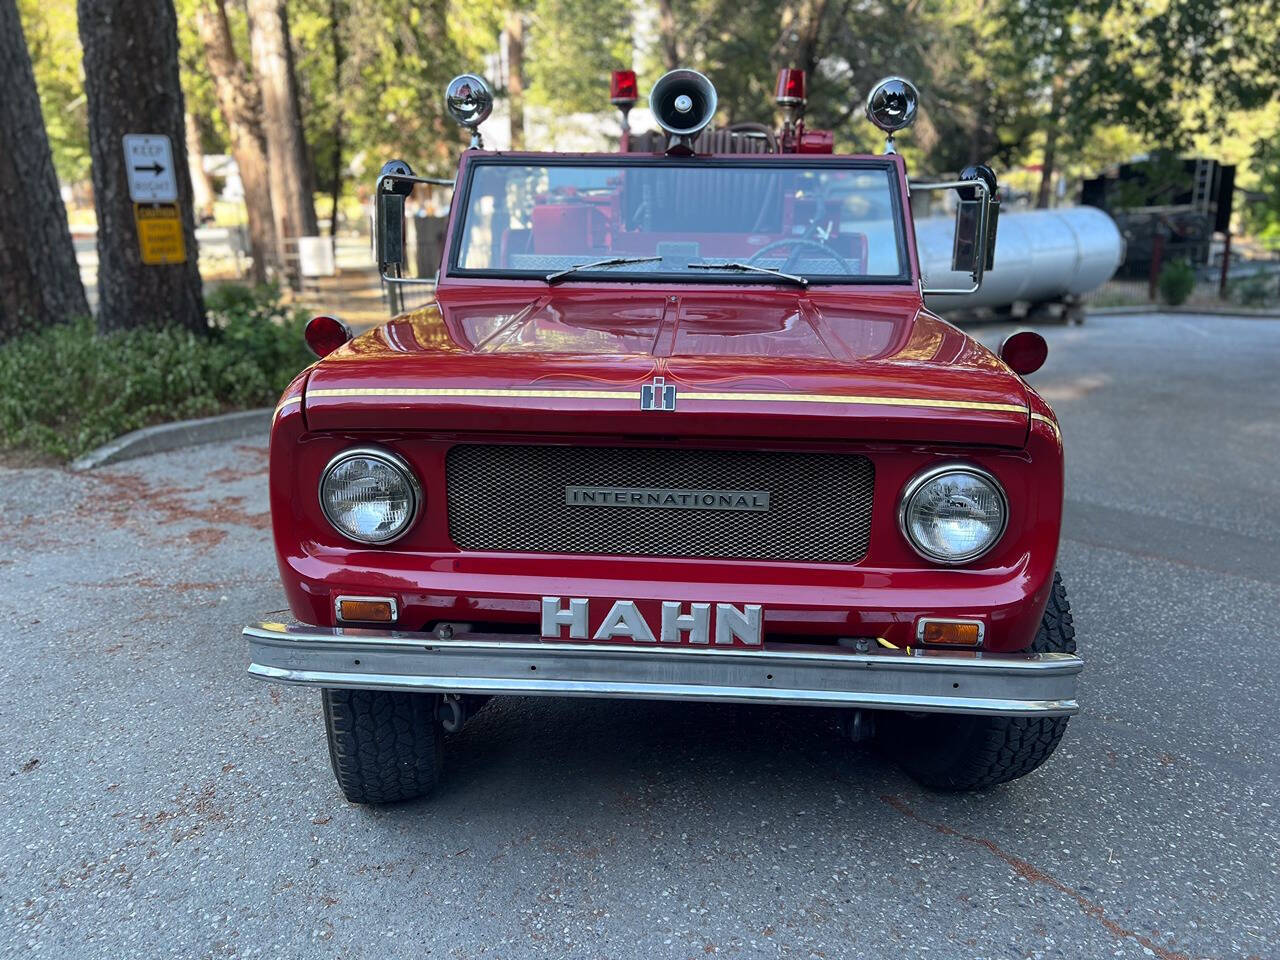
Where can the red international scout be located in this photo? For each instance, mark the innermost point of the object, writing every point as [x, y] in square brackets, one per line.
[677, 425]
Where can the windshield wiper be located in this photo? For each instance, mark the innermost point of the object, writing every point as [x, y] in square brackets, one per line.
[750, 268]
[610, 262]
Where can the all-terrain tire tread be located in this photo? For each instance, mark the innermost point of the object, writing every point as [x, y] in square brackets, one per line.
[384, 746]
[1000, 749]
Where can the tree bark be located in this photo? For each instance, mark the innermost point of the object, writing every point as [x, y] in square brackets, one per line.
[515, 77]
[1044, 196]
[131, 84]
[39, 277]
[799, 40]
[201, 185]
[241, 106]
[337, 17]
[288, 170]
[668, 35]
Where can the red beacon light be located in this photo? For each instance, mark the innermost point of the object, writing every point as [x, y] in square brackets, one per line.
[790, 96]
[622, 88]
[325, 334]
[623, 94]
[791, 88]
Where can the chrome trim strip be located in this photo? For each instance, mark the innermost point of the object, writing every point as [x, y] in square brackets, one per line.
[974, 682]
[628, 397]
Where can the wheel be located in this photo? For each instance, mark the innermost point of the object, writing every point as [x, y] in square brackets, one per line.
[383, 746]
[955, 752]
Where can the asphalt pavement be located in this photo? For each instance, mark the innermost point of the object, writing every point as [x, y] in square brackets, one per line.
[156, 802]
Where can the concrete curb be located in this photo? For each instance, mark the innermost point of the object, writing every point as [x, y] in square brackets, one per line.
[1200, 311]
[174, 436]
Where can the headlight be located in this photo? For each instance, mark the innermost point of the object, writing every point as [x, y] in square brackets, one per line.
[369, 495]
[953, 513]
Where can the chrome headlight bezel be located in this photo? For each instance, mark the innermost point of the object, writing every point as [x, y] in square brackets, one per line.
[917, 482]
[390, 459]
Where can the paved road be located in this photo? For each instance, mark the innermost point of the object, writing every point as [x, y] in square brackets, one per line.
[157, 803]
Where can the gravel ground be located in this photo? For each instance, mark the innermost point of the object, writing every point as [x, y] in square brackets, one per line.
[155, 802]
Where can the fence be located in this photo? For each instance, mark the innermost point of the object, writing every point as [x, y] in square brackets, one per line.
[1223, 270]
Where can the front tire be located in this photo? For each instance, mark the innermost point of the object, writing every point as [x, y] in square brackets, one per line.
[956, 752]
[384, 746]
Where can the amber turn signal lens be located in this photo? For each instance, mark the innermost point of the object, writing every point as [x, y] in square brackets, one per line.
[367, 611]
[964, 634]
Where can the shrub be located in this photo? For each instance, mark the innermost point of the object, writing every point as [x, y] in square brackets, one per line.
[65, 390]
[1256, 290]
[1177, 280]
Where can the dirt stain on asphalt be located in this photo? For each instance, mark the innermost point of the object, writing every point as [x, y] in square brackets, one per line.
[1033, 874]
[125, 493]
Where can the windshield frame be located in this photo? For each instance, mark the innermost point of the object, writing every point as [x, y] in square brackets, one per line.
[887, 164]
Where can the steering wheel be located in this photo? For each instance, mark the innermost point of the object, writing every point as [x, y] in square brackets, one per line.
[797, 242]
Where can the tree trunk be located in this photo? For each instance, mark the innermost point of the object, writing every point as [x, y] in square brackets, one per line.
[337, 17]
[668, 36]
[287, 167]
[515, 77]
[241, 106]
[201, 185]
[1044, 196]
[39, 277]
[799, 40]
[131, 84]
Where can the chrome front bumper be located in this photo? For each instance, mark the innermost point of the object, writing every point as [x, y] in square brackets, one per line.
[921, 680]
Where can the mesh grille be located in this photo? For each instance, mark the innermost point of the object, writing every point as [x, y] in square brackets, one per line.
[513, 498]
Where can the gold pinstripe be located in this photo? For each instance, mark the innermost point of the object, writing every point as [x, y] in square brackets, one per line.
[284, 403]
[630, 397]
[1048, 422]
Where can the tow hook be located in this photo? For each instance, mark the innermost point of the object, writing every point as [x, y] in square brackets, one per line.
[456, 709]
[452, 712]
[858, 725]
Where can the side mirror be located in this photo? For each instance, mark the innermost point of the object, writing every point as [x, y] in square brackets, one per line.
[975, 238]
[396, 182]
[969, 230]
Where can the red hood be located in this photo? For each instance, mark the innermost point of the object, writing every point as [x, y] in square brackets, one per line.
[862, 364]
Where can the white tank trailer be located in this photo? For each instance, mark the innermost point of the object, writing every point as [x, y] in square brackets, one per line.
[1043, 257]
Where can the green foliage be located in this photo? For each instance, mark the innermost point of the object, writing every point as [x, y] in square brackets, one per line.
[66, 390]
[1177, 280]
[571, 46]
[1256, 290]
[53, 40]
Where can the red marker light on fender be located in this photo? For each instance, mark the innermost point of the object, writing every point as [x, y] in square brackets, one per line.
[622, 87]
[325, 334]
[1024, 352]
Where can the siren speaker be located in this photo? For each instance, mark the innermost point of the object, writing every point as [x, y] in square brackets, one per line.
[683, 103]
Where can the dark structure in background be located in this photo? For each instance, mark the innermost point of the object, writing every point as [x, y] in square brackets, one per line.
[1167, 208]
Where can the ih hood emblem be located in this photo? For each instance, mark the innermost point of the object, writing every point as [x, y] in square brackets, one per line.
[658, 395]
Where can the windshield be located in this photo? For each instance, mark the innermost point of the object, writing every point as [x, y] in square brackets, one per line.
[738, 222]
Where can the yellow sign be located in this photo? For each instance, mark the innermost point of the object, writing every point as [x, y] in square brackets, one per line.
[160, 237]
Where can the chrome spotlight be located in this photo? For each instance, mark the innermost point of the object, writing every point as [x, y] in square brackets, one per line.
[892, 106]
[469, 101]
